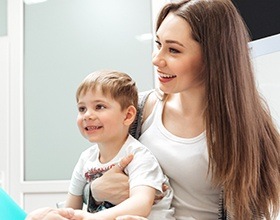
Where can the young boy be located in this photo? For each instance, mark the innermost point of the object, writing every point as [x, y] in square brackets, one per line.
[107, 103]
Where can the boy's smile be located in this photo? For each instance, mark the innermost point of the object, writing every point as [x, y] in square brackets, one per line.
[100, 118]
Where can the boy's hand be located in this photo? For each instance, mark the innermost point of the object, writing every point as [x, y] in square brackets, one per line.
[51, 214]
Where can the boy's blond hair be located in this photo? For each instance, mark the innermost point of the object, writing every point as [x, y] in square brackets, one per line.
[118, 85]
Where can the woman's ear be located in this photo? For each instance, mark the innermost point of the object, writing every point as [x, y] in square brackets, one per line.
[130, 115]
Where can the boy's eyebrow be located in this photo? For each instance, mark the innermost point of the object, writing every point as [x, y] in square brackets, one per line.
[80, 102]
[95, 101]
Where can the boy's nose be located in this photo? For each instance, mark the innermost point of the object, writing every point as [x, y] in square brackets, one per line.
[89, 115]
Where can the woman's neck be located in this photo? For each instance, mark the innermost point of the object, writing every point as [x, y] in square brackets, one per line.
[183, 114]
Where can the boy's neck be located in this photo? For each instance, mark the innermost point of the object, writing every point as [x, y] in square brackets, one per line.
[108, 150]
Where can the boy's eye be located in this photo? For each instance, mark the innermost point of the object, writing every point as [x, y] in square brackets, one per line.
[100, 106]
[81, 109]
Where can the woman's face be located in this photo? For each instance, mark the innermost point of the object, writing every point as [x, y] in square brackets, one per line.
[178, 58]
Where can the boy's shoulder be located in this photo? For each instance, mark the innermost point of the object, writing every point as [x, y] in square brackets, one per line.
[92, 150]
[133, 146]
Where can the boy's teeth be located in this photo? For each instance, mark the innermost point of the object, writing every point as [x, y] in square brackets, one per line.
[92, 127]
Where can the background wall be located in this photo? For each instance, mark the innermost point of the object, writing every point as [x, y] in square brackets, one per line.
[267, 69]
[3, 17]
[63, 42]
[4, 75]
[50, 80]
[262, 17]
[263, 21]
[4, 110]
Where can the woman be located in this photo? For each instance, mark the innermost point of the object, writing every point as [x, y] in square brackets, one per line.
[204, 69]
[211, 131]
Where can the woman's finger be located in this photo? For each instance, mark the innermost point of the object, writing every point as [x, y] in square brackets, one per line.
[124, 162]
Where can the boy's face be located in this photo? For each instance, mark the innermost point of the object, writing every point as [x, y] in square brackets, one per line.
[100, 118]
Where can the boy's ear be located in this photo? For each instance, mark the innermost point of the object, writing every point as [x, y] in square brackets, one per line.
[130, 115]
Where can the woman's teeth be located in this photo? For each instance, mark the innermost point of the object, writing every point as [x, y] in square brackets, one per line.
[167, 76]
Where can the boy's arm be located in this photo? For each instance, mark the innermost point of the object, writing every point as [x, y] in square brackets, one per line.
[74, 202]
[139, 203]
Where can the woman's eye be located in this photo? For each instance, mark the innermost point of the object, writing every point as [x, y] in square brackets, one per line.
[172, 50]
[81, 109]
[158, 44]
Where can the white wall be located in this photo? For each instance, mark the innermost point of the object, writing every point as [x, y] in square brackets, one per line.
[266, 62]
[4, 111]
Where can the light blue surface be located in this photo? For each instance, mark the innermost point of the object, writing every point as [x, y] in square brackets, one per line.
[9, 209]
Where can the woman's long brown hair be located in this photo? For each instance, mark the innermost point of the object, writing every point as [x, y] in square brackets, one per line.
[243, 141]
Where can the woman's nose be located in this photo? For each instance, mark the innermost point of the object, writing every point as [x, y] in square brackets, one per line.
[158, 59]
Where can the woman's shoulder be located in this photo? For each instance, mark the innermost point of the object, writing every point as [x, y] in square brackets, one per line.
[146, 103]
[150, 102]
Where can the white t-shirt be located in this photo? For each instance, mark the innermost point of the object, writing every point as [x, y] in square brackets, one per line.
[143, 170]
[185, 162]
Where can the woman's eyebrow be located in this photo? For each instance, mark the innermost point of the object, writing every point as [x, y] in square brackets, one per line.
[171, 41]
[174, 42]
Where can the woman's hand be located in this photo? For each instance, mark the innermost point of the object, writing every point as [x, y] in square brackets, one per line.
[113, 186]
[130, 217]
[51, 214]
